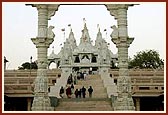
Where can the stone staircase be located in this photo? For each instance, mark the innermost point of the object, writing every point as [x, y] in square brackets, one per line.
[84, 104]
[99, 91]
[98, 102]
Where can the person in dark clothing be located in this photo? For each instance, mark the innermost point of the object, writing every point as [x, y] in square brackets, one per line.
[68, 92]
[83, 91]
[81, 75]
[76, 93]
[61, 93]
[90, 90]
[79, 93]
[78, 75]
[70, 80]
[72, 86]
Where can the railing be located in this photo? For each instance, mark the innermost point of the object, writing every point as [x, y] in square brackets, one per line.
[21, 81]
[151, 80]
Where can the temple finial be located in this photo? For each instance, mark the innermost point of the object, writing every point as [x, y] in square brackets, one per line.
[84, 21]
[98, 27]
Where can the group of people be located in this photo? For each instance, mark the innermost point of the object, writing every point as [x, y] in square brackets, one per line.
[78, 92]
[81, 75]
[78, 75]
[82, 91]
[72, 79]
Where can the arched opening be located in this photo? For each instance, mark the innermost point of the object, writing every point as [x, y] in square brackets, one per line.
[85, 56]
[77, 60]
[75, 69]
[52, 65]
[94, 60]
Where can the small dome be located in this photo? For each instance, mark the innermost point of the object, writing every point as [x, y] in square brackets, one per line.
[52, 55]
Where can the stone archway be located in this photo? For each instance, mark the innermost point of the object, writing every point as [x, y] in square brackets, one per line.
[52, 65]
[94, 59]
[77, 60]
[45, 38]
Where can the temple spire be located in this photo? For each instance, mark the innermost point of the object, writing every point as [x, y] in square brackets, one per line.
[85, 34]
[98, 27]
[84, 21]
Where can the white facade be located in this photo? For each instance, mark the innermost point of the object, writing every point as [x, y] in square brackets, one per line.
[85, 55]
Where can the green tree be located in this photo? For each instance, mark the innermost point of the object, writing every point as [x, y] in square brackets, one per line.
[27, 65]
[146, 59]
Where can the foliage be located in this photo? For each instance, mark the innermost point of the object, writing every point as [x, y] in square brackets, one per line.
[28, 65]
[146, 59]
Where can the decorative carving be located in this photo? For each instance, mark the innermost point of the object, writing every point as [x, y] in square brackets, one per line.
[124, 85]
[115, 33]
[52, 8]
[45, 42]
[41, 82]
[120, 38]
[50, 33]
[45, 37]
[85, 60]
[113, 8]
[114, 13]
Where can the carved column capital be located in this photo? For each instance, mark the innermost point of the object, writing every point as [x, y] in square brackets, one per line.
[113, 8]
[43, 42]
[119, 42]
[52, 8]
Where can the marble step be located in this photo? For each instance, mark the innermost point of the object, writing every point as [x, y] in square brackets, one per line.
[87, 104]
[94, 95]
[90, 82]
[95, 88]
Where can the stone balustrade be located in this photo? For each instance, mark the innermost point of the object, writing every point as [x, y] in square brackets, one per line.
[22, 81]
[143, 81]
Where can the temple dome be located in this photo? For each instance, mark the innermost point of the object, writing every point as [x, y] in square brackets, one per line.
[52, 56]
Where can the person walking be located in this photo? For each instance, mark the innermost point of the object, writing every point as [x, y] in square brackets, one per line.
[68, 92]
[84, 75]
[90, 90]
[79, 93]
[83, 91]
[76, 93]
[61, 93]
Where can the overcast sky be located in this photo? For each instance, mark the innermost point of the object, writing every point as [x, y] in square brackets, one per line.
[146, 23]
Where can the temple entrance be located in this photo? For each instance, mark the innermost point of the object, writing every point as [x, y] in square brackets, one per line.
[89, 70]
[91, 57]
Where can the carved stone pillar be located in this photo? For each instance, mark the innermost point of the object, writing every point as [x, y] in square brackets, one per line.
[120, 38]
[137, 101]
[43, 40]
[28, 104]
